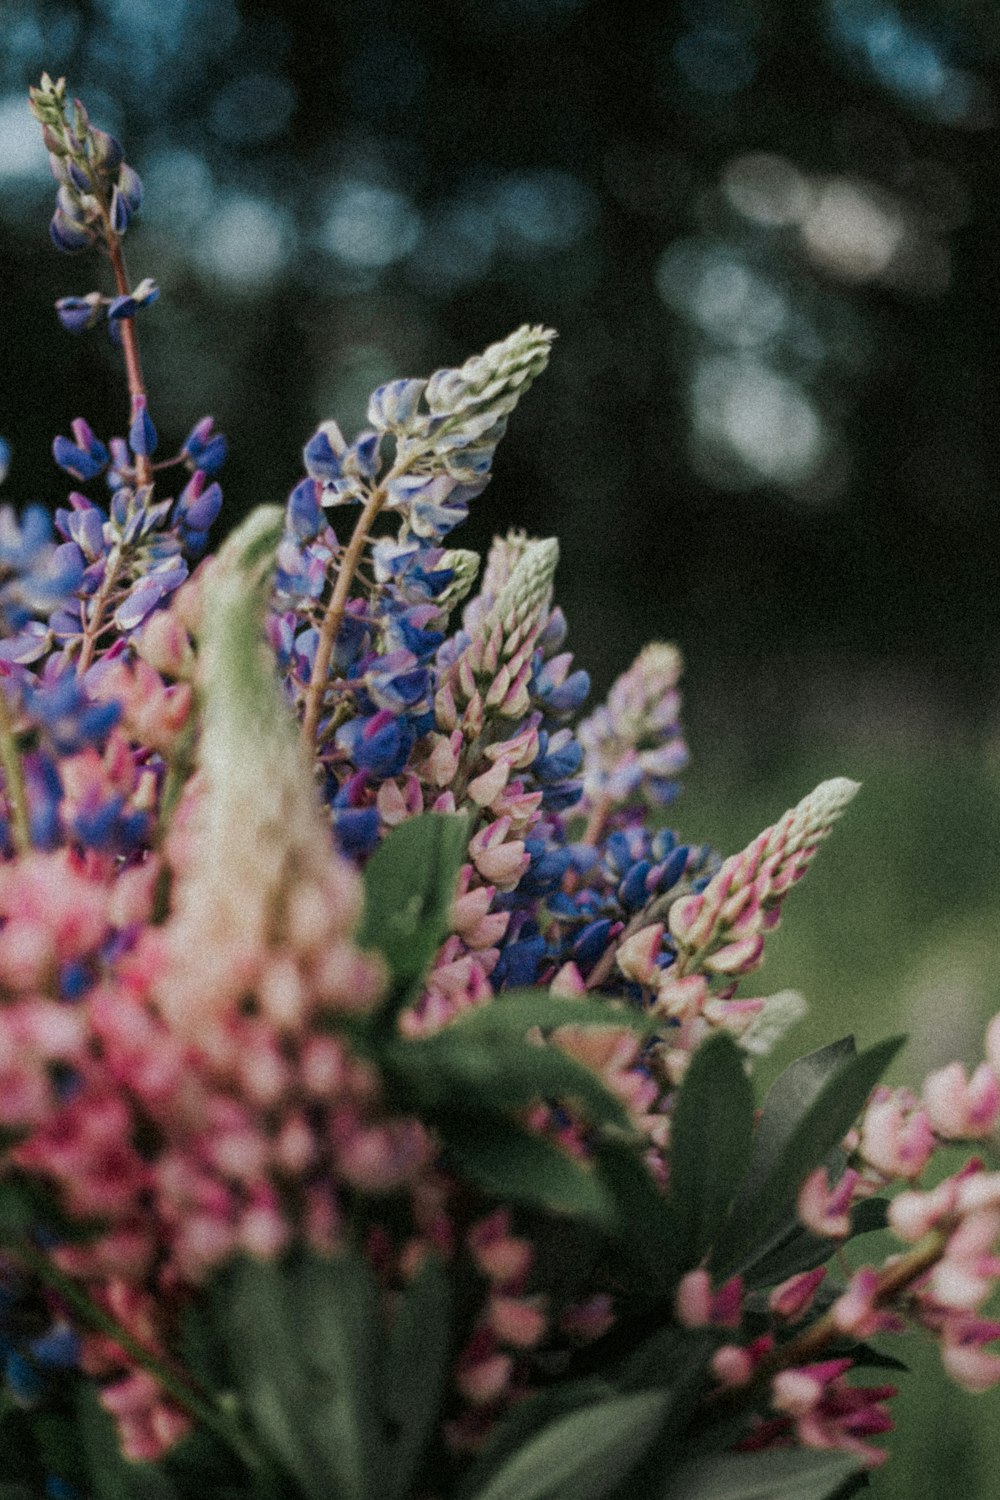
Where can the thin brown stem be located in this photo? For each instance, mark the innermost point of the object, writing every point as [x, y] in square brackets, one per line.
[201, 1408]
[813, 1342]
[130, 341]
[95, 615]
[334, 617]
[13, 779]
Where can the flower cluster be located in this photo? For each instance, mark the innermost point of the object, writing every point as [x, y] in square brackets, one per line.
[359, 1012]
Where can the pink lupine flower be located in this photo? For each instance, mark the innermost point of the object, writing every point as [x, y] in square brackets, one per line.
[517, 1321]
[827, 1413]
[965, 1360]
[896, 1134]
[697, 1306]
[496, 860]
[637, 955]
[824, 1210]
[913, 1214]
[148, 1424]
[794, 1297]
[733, 1365]
[613, 1053]
[856, 1312]
[502, 1257]
[568, 982]
[964, 1276]
[483, 1372]
[962, 1108]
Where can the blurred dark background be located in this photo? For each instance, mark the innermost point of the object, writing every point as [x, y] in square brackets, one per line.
[766, 232]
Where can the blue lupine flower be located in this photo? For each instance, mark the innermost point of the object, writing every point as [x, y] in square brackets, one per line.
[67, 716]
[198, 505]
[205, 448]
[380, 744]
[520, 961]
[142, 434]
[592, 942]
[356, 830]
[82, 463]
[77, 314]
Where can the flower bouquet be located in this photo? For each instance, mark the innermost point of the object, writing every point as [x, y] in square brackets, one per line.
[374, 1082]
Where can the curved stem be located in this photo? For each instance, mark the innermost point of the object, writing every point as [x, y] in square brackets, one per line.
[13, 778]
[95, 619]
[130, 341]
[199, 1407]
[333, 619]
[814, 1341]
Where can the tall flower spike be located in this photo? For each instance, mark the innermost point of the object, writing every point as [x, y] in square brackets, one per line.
[251, 851]
[633, 742]
[722, 928]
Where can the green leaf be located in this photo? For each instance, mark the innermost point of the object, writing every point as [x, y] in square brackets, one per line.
[486, 1072]
[646, 1225]
[711, 1135]
[800, 1133]
[415, 1371]
[518, 1010]
[582, 1455]
[409, 889]
[336, 1327]
[513, 1163]
[525, 1421]
[775, 1474]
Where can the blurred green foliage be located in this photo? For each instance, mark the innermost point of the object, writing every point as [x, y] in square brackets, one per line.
[896, 927]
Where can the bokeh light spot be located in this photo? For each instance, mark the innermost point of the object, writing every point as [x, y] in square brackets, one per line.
[245, 243]
[850, 233]
[767, 189]
[762, 421]
[368, 226]
[252, 109]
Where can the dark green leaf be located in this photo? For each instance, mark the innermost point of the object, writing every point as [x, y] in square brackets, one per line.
[795, 1249]
[525, 1421]
[582, 1455]
[790, 1097]
[711, 1134]
[485, 1072]
[409, 889]
[336, 1328]
[646, 1224]
[515, 1164]
[416, 1368]
[775, 1474]
[251, 1317]
[792, 1147]
[518, 1010]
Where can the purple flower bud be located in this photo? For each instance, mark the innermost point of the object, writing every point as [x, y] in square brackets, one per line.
[142, 434]
[76, 314]
[323, 453]
[120, 212]
[79, 176]
[79, 462]
[393, 406]
[304, 515]
[105, 152]
[69, 235]
[130, 187]
[198, 508]
[84, 433]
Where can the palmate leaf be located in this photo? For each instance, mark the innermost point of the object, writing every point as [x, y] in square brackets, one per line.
[711, 1135]
[775, 1474]
[798, 1129]
[409, 889]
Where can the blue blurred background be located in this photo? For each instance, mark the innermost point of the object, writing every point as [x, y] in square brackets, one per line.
[767, 233]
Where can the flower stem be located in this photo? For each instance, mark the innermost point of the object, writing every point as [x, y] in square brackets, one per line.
[200, 1408]
[13, 776]
[95, 615]
[813, 1341]
[334, 616]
